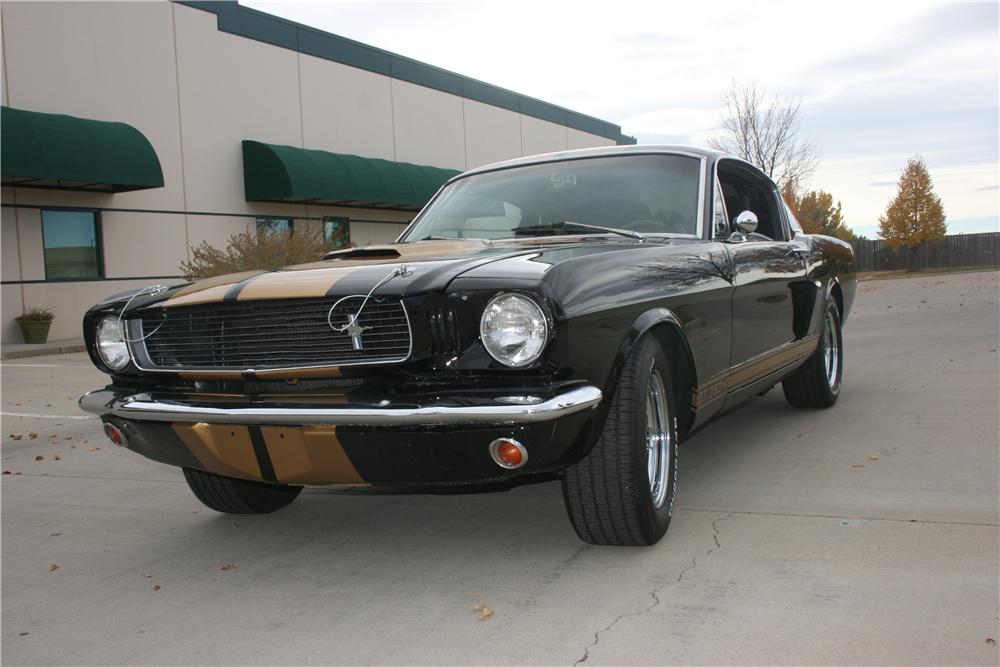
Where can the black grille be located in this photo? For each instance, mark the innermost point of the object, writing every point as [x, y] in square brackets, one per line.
[272, 334]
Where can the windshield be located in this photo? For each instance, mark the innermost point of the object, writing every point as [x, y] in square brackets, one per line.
[650, 194]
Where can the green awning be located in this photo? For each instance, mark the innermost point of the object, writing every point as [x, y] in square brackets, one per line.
[300, 175]
[46, 150]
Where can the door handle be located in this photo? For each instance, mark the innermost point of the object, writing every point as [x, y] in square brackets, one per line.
[802, 253]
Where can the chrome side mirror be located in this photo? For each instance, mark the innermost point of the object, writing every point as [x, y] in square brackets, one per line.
[746, 222]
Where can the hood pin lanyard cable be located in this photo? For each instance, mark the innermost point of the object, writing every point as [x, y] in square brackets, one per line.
[152, 290]
[402, 271]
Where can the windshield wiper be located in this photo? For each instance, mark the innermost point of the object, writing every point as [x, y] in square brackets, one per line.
[564, 225]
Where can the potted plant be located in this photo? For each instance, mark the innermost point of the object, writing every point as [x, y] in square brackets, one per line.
[35, 323]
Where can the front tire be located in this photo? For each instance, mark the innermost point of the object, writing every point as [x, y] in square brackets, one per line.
[622, 492]
[816, 383]
[238, 496]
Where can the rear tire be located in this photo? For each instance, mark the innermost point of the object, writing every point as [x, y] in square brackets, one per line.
[622, 492]
[816, 383]
[238, 496]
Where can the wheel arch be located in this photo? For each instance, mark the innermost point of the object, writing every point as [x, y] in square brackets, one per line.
[669, 332]
[835, 292]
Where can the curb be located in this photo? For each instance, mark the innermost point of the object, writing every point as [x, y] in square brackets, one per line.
[43, 350]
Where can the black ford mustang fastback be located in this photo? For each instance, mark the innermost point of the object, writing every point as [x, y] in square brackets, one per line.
[575, 314]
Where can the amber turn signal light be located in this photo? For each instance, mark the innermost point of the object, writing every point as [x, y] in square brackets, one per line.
[115, 435]
[508, 453]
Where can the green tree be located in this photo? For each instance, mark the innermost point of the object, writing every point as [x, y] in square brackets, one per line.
[915, 215]
[816, 212]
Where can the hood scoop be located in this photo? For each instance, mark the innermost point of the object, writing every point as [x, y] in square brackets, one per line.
[368, 252]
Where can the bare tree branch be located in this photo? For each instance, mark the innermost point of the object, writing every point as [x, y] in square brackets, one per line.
[765, 131]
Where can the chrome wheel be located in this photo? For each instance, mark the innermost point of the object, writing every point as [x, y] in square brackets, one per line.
[831, 350]
[658, 445]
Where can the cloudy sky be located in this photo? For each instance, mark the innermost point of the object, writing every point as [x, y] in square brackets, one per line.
[879, 80]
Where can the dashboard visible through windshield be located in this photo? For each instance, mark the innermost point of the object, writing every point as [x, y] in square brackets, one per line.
[649, 194]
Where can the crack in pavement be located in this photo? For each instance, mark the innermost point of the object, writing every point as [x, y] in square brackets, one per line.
[655, 592]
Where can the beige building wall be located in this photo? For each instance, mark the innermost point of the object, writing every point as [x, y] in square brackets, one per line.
[196, 92]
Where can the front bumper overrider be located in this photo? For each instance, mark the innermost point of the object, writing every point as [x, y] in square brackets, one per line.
[336, 439]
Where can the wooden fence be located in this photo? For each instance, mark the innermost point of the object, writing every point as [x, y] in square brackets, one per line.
[955, 251]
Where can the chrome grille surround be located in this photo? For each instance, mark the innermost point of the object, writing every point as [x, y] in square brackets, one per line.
[272, 334]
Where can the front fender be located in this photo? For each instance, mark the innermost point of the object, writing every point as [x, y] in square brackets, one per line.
[682, 362]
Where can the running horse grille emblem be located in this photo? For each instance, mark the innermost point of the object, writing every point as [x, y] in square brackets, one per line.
[354, 330]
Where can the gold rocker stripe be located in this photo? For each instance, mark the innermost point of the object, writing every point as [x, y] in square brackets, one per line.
[309, 455]
[753, 369]
[220, 448]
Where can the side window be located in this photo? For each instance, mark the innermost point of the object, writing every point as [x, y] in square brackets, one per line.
[744, 190]
[720, 219]
[271, 226]
[337, 232]
[71, 242]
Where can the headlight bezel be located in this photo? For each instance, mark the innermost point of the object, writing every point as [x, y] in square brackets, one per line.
[544, 316]
[103, 326]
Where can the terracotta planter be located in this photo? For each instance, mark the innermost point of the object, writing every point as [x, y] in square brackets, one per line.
[35, 331]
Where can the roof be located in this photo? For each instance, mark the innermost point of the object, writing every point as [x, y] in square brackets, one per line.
[262, 27]
[706, 153]
[274, 172]
[56, 151]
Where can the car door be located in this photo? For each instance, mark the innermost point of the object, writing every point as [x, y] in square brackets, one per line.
[765, 265]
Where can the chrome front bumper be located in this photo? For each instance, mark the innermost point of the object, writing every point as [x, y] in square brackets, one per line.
[518, 409]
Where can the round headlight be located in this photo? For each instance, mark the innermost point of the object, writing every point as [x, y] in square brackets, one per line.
[514, 329]
[110, 345]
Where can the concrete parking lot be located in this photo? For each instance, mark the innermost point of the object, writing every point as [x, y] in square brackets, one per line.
[864, 534]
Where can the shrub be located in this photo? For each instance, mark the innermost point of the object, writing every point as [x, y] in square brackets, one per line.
[35, 314]
[250, 250]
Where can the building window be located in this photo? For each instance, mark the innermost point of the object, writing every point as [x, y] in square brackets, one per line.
[71, 242]
[337, 232]
[271, 226]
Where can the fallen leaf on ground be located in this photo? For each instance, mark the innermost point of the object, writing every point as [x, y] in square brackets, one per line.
[873, 458]
[39, 458]
[156, 587]
[32, 436]
[23, 634]
[56, 457]
[485, 613]
[16, 436]
[93, 449]
[990, 640]
[68, 437]
[227, 567]
[479, 606]
[72, 446]
[6, 472]
[52, 435]
[53, 567]
[857, 465]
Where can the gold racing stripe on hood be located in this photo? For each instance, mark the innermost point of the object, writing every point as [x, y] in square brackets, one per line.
[309, 455]
[294, 284]
[209, 290]
[221, 448]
